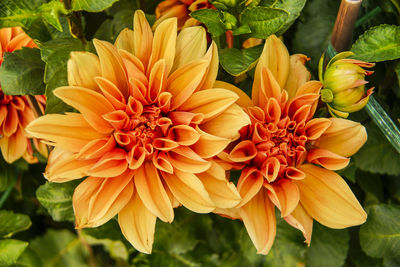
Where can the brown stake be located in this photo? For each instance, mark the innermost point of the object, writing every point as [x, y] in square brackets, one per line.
[344, 25]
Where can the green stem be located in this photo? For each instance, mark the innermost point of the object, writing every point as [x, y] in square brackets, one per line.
[368, 16]
[6, 193]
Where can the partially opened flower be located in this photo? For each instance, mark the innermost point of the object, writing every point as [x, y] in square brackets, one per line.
[148, 124]
[287, 157]
[15, 111]
[181, 10]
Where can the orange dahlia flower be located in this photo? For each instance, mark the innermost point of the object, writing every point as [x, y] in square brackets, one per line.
[181, 10]
[15, 111]
[287, 157]
[149, 122]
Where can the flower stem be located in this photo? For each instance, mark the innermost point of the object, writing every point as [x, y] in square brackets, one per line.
[6, 193]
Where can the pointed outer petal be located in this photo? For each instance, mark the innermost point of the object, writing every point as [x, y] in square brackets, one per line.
[125, 41]
[112, 65]
[164, 144]
[212, 71]
[164, 44]
[267, 87]
[228, 123]
[190, 191]
[327, 159]
[186, 118]
[174, 202]
[183, 82]
[70, 131]
[157, 80]
[244, 151]
[143, 37]
[328, 199]
[152, 193]
[222, 192]
[284, 194]
[186, 160]
[160, 161]
[298, 102]
[243, 101]
[63, 166]
[270, 169]
[171, 9]
[83, 67]
[97, 200]
[310, 87]
[13, 147]
[210, 102]
[357, 106]
[134, 67]
[258, 216]
[191, 44]
[96, 148]
[18, 41]
[138, 224]
[337, 113]
[111, 93]
[316, 127]
[274, 57]
[209, 145]
[41, 147]
[183, 135]
[3, 114]
[92, 105]
[249, 184]
[301, 220]
[10, 125]
[111, 164]
[298, 74]
[343, 137]
[294, 173]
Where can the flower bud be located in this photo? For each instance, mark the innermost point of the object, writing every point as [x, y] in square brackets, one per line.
[344, 84]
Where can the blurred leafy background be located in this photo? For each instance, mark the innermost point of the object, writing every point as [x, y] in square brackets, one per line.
[36, 217]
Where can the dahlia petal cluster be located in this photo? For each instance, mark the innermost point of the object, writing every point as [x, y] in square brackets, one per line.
[150, 122]
[15, 111]
[287, 157]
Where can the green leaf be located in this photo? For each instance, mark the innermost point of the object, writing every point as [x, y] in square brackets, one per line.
[212, 19]
[26, 13]
[29, 259]
[55, 54]
[110, 28]
[372, 186]
[22, 72]
[6, 175]
[57, 199]
[293, 7]
[379, 43]
[11, 223]
[328, 247]
[10, 250]
[59, 248]
[264, 21]
[377, 155]
[397, 71]
[237, 62]
[91, 5]
[380, 235]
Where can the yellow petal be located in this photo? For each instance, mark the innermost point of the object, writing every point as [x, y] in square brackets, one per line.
[301, 220]
[186, 160]
[249, 184]
[191, 44]
[92, 105]
[327, 159]
[190, 191]
[138, 224]
[328, 199]
[209, 145]
[83, 67]
[164, 44]
[343, 137]
[124, 41]
[243, 101]
[70, 132]
[212, 70]
[112, 65]
[152, 193]
[284, 194]
[13, 147]
[143, 37]
[183, 135]
[111, 164]
[210, 102]
[228, 123]
[298, 74]
[259, 219]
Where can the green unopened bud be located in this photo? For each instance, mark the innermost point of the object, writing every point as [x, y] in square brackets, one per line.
[344, 84]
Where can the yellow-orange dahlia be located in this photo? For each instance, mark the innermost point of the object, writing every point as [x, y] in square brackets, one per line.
[181, 10]
[287, 157]
[149, 122]
[15, 111]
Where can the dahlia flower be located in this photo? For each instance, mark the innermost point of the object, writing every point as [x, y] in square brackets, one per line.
[15, 111]
[180, 9]
[287, 157]
[149, 123]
